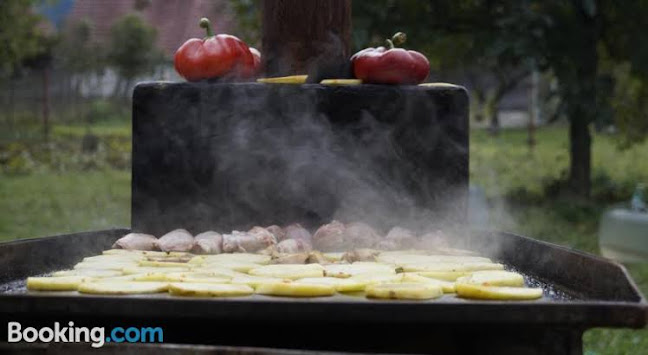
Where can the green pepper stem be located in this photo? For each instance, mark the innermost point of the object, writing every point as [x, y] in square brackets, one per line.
[398, 39]
[204, 23]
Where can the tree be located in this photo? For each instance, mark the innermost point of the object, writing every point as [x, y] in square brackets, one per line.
[132, 50]
[20, 38]
[77, 54]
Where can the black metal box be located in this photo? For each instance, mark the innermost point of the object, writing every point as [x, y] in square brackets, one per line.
[224, 156]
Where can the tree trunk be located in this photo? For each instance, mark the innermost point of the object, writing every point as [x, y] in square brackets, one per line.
[307, 37]
[582, 107]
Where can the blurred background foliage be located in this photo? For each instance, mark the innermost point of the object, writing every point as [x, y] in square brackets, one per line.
[575, 70]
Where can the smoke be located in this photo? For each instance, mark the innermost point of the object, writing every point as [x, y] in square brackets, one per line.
[265, 154]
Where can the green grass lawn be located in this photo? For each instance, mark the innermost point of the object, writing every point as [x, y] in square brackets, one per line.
[46, 204]
[514, 177]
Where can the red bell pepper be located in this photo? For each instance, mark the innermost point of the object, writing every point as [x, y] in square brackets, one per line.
[215, 56]
[390, 65]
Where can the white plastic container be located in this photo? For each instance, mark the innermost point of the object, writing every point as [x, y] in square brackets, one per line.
[623, 232]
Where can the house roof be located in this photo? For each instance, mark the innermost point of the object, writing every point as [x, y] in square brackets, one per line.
[175, 20]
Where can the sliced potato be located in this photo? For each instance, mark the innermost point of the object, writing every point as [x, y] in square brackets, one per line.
[161, 264]
[63, 283]
[289, 271]
[348, 270]
[96, 265]
[293, 289]
[209, 289]
[151, 270]
[341, 82]
[446, 286]
[341, 285]
[443, 275]
[497, 293]
[494, 278]
[292, 79]
[402, 259]
[239, 257]
[406, 291]
[122, 287]
[88, 273]
[113, 258]
[196, 277]
[455, 267]
[255, 281]
[376, 278]
[197, 260]
[218, 271]
[240, 266]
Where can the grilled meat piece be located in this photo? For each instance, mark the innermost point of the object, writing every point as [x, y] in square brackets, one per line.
[360, 255]
[209, 242]
[136, 241]
[278, 232]
[330, 237]
[402, 237]
[246, 242]
[296, 231]
[176, 240]
[361, 235]
[289, 246]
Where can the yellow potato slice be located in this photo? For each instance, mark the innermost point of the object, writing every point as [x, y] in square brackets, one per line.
[497, 293]
[494, 278]
[63, 283]
[348, 270]
[289, 271]
[292, 79]
[196, 277]
[161, 264]
[455, 267]
[96, 265]
[401, 259]
[240, 266]
[341, 82]
[446, 286]
[239, 257]
[376, 278]
[443, 275]
[197, 260]
[88, 273]
[333, 256]
[113, 258]
[122, 287]
[341, 285]
[151, 270]
[255, 281]
[405, 291]
[218, 271]
[209, 290]
[293, 289]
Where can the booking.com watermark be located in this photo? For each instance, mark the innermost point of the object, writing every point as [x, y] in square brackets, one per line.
[96, 336]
